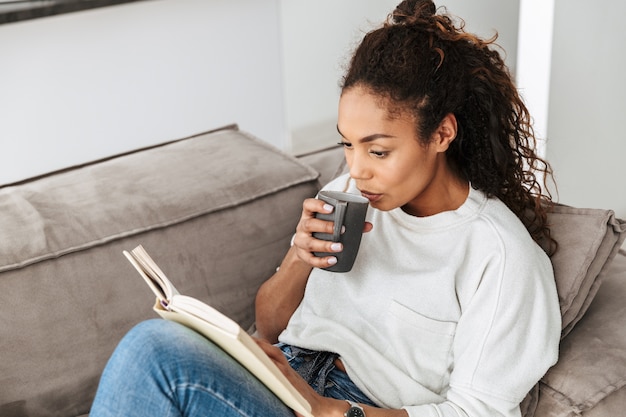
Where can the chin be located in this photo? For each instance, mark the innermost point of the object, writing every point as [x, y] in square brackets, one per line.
[382, 207]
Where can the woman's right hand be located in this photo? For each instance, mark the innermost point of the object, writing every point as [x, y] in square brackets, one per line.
[280, 295]
[306, 244]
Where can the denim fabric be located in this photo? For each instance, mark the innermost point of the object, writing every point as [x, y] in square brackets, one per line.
[318, 369]
[311, 365]
[161, 368]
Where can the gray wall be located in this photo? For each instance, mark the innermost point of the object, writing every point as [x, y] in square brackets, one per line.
[486, 17]
[317, 41]
[86, 85]
[586, 137]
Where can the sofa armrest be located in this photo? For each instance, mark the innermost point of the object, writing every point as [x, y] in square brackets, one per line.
[329, 162]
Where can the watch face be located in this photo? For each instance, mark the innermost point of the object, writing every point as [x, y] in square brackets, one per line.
[355, 412]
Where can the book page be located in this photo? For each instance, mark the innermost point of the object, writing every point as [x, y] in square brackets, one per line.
[220, 329]
[244, 349]
[150, 271]
[154, 285]
[205, 312]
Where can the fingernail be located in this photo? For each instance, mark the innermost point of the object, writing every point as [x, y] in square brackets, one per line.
[343, 229]
[336, 247]
[328, 208]
[332, 260]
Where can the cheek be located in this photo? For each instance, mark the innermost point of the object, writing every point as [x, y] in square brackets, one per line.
[402, 173]
[406, 181]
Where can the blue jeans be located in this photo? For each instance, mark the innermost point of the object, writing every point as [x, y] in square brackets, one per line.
[161, 368]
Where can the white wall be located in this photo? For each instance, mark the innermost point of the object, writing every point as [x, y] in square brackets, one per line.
[85, 85]
[586, 136]
[534, 57]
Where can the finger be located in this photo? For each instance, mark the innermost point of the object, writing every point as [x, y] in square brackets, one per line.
[304, 240]
[270, 350]
[317, 261]
[367, 227]
[310, 206]
[276, 355]
[314, 225]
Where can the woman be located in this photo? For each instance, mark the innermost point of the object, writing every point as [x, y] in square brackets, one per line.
[451, 307]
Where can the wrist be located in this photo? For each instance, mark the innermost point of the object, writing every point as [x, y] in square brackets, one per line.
[329, 407]
[354, 410]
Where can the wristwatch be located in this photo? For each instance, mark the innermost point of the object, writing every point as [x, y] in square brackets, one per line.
[355, 410]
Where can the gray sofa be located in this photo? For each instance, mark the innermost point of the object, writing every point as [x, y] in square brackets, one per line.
[216, 211]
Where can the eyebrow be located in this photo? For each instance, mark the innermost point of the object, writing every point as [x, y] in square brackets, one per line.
[368, 138]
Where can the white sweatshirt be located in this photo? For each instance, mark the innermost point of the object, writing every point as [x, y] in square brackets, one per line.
[450, 315]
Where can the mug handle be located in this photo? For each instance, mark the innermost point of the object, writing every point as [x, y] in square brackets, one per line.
[340, 214]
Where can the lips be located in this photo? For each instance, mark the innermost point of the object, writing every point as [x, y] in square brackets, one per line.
[372, 197]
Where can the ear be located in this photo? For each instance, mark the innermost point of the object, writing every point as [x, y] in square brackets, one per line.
[445, 133]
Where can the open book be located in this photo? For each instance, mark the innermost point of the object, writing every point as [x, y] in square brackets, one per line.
[221, 330]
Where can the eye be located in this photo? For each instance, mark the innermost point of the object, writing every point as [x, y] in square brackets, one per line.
[379, 154]
[346, 145]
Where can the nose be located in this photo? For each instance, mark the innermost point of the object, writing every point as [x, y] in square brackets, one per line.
[358, 165]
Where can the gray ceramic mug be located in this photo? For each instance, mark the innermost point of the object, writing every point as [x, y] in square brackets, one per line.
[349, 214]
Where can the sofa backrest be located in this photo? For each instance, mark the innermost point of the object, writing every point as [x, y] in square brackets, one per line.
[216, 211]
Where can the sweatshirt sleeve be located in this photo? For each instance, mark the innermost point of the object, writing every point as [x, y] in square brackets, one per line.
[506, 339]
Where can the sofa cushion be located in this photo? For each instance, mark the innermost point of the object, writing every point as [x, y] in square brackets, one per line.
[590, 377]
[588, 240]
[329, 162]
[216, 211]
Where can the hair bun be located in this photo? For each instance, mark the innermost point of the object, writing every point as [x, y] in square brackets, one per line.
[410, 11]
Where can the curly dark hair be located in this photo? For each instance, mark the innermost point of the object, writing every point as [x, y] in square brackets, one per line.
[421, 62]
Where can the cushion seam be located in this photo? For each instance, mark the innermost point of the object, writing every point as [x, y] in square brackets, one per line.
[154, 226]
[590, 402]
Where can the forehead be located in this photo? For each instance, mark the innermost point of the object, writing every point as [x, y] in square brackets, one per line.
[360, 109]
[364, 98]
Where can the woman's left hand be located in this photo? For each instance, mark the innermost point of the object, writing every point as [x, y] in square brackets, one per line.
[320, 406]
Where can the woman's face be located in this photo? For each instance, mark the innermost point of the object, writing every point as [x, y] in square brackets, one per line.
[391, 167]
